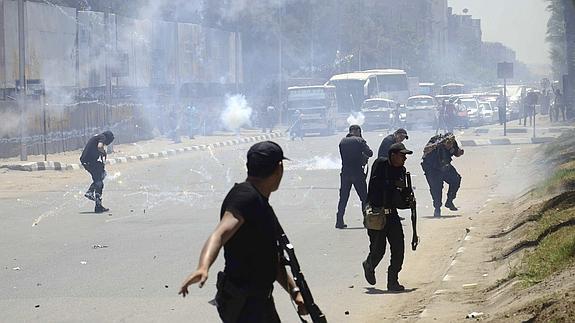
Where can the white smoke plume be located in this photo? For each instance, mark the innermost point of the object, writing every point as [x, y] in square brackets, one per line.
[315, 163]
[237, 112]
[356, 118]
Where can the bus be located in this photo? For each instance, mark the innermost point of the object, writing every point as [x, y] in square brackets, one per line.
[452, 88]
[352, 89]
[317, 105]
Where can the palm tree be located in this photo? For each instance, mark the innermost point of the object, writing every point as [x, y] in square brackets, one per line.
[556, 38]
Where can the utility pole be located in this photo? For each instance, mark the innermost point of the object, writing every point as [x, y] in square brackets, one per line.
[107, 70]
[22, 80]
[569, 86]
[280, 62]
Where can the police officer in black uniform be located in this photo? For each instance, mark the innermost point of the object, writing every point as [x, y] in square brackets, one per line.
[437, 157]
[248, 231]
[398, 136]
[354, 153]
[386, 183]
[93, 158]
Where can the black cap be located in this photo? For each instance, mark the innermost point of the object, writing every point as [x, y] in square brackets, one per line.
[399, 147]
[265, 153]
[402, 131]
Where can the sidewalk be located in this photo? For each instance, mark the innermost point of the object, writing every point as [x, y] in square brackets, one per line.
[142, 150]
[493, 134]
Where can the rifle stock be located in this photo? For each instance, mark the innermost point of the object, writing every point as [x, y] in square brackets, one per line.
[414, 237]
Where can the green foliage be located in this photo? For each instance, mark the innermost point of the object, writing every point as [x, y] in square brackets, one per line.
[556, 38]
[556, 252]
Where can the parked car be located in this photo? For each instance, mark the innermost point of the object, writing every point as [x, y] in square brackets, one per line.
[379, 113]
[421, 110]
[487, 114]
[473, 110]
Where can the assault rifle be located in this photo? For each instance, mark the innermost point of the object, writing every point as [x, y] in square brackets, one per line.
[413, 206]
[289, 259]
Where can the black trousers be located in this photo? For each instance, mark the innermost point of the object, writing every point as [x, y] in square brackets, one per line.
[346, 181]
[98, 173]
[239, 305]
[435, 179]
[392, 232]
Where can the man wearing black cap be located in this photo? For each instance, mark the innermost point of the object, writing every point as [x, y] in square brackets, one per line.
[397, 137]
[248, 231]
[385, 184]
[436, 164]
[93, 158]
[354, 153]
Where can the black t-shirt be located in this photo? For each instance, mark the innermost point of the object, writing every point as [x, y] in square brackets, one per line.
[252, 253]
[354, 153]
[383, 181]
[386, 143]
[91, 152]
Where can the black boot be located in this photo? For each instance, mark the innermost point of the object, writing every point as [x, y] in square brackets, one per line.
[369, 273]
[449, 204]
[437, 212]
[100, 209]
[395, 286]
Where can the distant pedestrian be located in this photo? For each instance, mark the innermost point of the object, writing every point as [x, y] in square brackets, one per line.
[193, 118]
[354, 153]
[397, 137]
[268, 118]
[559, 105]
[296, 130]
[440, 118]
[93, 159]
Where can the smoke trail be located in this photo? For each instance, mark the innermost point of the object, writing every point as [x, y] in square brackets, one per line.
[237, 112]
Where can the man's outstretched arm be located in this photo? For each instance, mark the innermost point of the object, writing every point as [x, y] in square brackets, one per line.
[228, 226]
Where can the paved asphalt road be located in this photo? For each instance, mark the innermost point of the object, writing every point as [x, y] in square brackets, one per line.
[162, 212]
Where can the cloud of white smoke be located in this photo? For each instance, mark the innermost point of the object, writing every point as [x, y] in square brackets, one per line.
[237, 112]
[356, 118]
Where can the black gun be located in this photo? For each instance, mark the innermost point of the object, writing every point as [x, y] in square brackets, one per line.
[289, 259]
[413, 204]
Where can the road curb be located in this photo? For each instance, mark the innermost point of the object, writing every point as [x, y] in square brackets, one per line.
[506, 141]
[50, 165]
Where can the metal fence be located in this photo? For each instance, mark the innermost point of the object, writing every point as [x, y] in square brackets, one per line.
[68, 127]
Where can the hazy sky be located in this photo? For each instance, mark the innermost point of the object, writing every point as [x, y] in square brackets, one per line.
[519, 24]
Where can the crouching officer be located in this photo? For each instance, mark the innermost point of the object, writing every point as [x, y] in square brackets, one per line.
[354, 153]
[437, 157]
[387, 192]
[93, 158]
[248, 230]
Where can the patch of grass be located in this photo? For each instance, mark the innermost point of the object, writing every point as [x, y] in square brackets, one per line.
[549, 219]
[556, 252]
[562, 178]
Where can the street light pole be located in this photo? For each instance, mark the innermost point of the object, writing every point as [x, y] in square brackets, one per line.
[22, 81]
[280, 63]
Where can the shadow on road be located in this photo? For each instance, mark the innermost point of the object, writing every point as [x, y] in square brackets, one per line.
[442, 217]
[376, 291]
